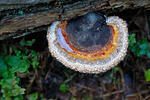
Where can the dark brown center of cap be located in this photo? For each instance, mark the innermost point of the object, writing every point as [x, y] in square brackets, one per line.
[89, 32]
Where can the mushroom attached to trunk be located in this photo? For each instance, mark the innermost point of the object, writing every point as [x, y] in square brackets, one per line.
[90, 43]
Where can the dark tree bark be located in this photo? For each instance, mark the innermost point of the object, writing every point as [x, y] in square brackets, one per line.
[18, 15]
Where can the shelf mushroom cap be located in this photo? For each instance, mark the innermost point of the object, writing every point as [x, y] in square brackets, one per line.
[89, 44]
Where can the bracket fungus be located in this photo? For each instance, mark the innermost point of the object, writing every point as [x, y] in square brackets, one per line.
[91, 43]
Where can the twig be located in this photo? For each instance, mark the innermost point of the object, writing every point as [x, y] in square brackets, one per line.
[112, 93]
[135, 94]
[85, 87]
[31, 80]
[122, 77]
[52, 63]
[147, 97]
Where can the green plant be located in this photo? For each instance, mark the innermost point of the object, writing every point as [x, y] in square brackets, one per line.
[27, 43]
[18, 61]
[20, 12]
[139, 48]
[63, 86]
[115, 69]
[33, 96]
[147, 75]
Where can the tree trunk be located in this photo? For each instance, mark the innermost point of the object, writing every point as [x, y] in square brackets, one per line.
[35, 15]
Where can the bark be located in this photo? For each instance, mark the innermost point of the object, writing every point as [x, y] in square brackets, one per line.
[18, 15]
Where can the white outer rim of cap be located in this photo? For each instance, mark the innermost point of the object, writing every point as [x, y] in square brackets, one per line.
[85, 66]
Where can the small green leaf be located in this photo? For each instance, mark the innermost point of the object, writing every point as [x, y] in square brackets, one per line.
[20, 12]
[142, 52]
[132, 39]
[10, 87]
[144, 46]
[17, 90]
[111, 75]
[115, 69]
[20, 97]
[30, 43]
[17, 52]
[3, 66]
[23, 66]
[147, 75]
[17, 64]
[22, 42]
[13, 61]
[33, 53]
[33, 96]
[63, 88]
[69, 79]
[148, 54]
[35, 62]
[149, 45]
[27, 43]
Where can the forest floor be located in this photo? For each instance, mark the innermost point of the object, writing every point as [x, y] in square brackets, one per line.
[52, 80]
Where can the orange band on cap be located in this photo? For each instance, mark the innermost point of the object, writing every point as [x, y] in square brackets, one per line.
[103, 53]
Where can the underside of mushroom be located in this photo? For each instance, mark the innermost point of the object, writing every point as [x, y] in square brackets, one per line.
[90, 44]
